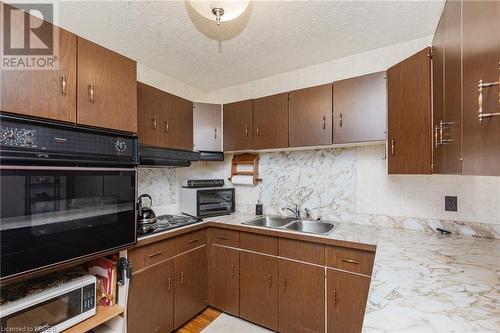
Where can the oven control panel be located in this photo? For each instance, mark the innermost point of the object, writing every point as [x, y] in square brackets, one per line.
[18, 137]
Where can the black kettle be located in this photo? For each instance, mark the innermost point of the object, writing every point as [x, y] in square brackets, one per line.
[145, 214]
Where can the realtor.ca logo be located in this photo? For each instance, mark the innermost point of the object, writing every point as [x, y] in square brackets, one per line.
[29, 41]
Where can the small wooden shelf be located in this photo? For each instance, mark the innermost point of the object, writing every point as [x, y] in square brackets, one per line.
[103, 314]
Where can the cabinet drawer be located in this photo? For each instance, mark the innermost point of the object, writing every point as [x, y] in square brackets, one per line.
[190, 241]
[151, 254]
[259, 243]
[303, 251]
[357, 261]
[225, 237]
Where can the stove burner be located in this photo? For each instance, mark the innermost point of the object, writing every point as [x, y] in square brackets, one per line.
[166, 222]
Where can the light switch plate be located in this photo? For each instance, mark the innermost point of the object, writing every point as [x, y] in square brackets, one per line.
[450, 203]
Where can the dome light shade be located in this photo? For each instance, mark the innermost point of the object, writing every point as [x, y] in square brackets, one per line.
[220, 10]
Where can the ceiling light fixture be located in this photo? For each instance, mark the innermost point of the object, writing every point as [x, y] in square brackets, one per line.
[220, 10]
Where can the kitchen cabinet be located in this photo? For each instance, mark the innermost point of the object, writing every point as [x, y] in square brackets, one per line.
[347, 294]
[106, 88]
[207, 127]
[447, 89]
[270, 121]
[190, 285]
[310, 116]
[481, 103]
[224, 279]
[409, 115]
[238, 124]
[259, 289]
[301, 297]
[148, 115]
[177, 115]
[47, 94]
[150, 305]
[360, 109]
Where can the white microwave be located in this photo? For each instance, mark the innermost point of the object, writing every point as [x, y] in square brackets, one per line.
[52, 309]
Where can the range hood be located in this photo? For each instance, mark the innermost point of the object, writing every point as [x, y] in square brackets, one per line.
[211, 155]
[166, 157]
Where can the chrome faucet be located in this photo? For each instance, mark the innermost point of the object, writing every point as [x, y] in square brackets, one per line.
[295, 211]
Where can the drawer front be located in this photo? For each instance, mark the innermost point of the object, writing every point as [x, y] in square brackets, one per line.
[225, 237]
[259, 243]
[190, 241]
[151, 254]
[357, 261]
[303, 251]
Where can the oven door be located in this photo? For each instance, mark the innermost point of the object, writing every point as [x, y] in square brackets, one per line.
[215, 202]
[53, 215]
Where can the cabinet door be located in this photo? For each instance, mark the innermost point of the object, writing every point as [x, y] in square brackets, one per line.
[259, 289]
[238, 124]
[346, 296]
[409, 115]
[360, 109]
[107, 88]
[270, 121]
[301, 297]
[207, 121]
[178, 126]
[310, 117]
[438, 156]
[224, 279]
[150, 305]
[43, 93]
[481, 58]
[148, 115]
[190, 285]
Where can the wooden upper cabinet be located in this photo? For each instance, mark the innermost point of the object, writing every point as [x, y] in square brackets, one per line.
[43, 93]
[346, 301]
[409, 115]
[107, 88]
[207, 123]
[178, 126]
[151, 299]
[148, 115]
[238, 124]
[225, 279]
[270, 121]
[259, 289]
[301, 297]
[481, 59]
[360, 109]
[310, 116]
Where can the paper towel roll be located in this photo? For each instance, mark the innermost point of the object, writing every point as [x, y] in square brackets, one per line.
[242, 180]
[244, 168]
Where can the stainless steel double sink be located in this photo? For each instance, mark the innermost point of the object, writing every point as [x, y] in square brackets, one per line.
[291, 224]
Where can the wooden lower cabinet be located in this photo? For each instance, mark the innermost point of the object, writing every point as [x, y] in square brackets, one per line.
[154, 284]
[224, 279]
[259, 289]
[347, 296]
[301, 297]
[190, 285]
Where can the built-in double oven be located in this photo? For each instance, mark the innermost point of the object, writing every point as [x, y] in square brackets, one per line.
[67, 192]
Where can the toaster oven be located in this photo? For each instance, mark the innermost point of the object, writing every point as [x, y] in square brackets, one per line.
[206, 202]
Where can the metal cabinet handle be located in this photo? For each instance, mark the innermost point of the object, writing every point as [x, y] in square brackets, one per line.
[393, 147]
[169, 284]
[340, 120]
[436, 141]
[257, 130]
[166, 127]
[154, 254]
[480, 88]
[324, 122]
[246, 130]
[232, 270]
[269, 280]
[284, 285]
[351, 261]
[182, 279]
[155, 124]
[63, 85]
[334, 297]
[223, 237]
[192, 241]
[91, 93]
[215, 133]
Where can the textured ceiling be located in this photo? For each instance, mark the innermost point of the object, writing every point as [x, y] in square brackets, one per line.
[271, 37]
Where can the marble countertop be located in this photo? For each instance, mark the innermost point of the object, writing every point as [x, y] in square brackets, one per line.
[424, 282]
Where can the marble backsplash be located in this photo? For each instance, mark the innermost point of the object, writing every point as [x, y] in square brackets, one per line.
[160, 184]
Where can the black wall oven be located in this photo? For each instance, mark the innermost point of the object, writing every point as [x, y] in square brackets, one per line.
[66, 193]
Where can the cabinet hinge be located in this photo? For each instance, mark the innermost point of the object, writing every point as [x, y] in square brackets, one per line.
[430, 55]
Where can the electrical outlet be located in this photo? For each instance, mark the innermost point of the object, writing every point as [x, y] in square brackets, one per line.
[450, 204]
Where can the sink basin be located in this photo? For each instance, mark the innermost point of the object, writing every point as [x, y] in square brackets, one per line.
[311, 227]
[270, 221]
